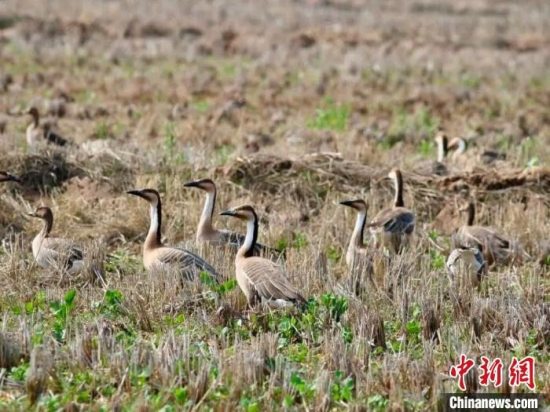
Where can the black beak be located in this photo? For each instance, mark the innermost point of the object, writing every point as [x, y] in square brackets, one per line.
[347, 203]
[228, 213]
[194, 183]
[136, 193]
[12, 178]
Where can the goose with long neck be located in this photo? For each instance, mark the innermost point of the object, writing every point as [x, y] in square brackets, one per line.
[436, 167]
[55, 252]
[496, 249]
[260, 279]
[393, 227]
[356, 245]
[37, 132]
[442, 146]
[158, 256]
[207, 233]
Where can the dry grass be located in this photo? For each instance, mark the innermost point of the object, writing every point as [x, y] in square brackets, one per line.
[330, 107]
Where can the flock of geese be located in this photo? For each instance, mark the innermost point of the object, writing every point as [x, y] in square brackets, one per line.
[258, 272]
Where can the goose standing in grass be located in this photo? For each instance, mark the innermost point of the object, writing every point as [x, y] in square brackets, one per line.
[466, 264]
[437, 167]
[495, 248]
[358, 260]
[394, 226]
[207, 233]
[157, 256]
[55, 252]
[37, 132]
[6, 177]
[356, 248]
[260, 279]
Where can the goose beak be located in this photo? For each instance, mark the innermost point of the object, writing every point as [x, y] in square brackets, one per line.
[194, 183]
[32, 214]
[12, 178]
[138, 193]
[229, 213]
[347, 203]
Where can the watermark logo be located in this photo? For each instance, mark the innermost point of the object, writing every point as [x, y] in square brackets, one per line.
[520, 372]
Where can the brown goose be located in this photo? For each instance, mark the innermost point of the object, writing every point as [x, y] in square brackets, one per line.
[37, 132]
[356, 245]
[206, 232]
[260, 279]
[460, 147]
[495, 248]
[6, 177]
[466, 264]
[393, 227]
[157, 256]
[55, 252]
[436, 167]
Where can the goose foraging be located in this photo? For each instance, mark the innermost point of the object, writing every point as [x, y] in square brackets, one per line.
[393, 227]
[207, 233]
[260, 279]
[466, 263]
[486, 156]
[158, 256]
[495, 248]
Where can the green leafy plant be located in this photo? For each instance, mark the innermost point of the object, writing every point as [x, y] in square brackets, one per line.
[336, 305]
[342, 389]
[61, 311]
[331, 117]
[305, 389]
[377, 403]
[102, 130]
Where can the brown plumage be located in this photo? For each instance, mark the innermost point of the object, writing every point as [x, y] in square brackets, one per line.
[495, 248]
[356, 247]
[55, 252]
[470, 158]
[207, 233]
[394, 226]
[260, 279]
[157, 256]
[466, 265]
[358, 259]
[37, 132]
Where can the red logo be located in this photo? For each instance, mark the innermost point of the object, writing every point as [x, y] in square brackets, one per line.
[522, 371]
[491, 372]
[461, 370]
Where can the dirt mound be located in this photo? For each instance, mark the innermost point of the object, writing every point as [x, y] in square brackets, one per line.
[41, 172]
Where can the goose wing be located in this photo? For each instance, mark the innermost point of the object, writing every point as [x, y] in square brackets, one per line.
[480, 237]
[53, 137]
[268, 280]
[396, 220]
[62, 249]
[190, 263]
